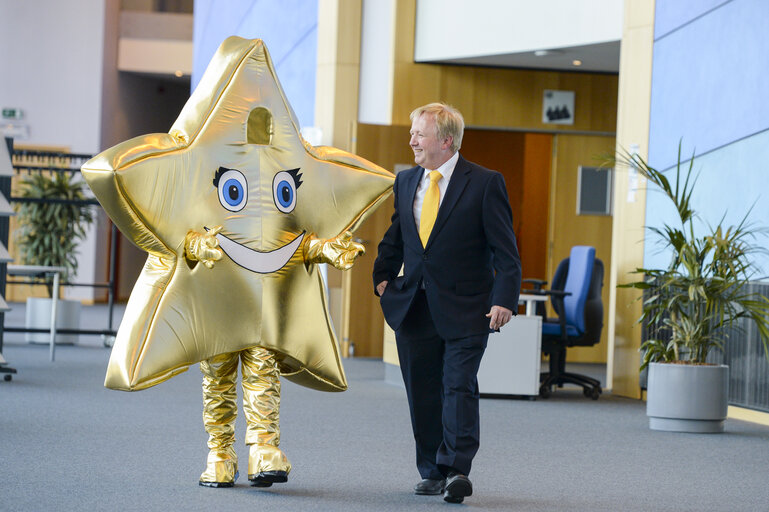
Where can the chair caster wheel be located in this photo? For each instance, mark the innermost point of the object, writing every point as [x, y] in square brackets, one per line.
[593, 393]
[7, 377]
[544, 391]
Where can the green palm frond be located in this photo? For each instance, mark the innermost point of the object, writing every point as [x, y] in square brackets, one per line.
[49, 233]
[703, 291]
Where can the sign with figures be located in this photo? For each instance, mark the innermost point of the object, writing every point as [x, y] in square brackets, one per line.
[558, 107]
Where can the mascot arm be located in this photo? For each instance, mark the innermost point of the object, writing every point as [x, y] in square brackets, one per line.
[203, 247]
[339, 251]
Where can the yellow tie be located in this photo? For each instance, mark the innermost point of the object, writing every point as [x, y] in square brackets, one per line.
[430, 207]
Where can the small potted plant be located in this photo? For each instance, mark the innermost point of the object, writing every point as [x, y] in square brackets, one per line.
[692, 305]
[53, 220]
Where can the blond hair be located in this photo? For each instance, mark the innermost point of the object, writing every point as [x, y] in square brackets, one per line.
[448, 121]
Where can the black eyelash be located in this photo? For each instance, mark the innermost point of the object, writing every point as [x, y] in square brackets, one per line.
[297, 176]
[218, 175]
[293, 172]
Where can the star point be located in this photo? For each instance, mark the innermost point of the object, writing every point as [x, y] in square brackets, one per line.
[232, 159]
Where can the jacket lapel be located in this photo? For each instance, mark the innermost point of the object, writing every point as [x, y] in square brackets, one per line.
[457, 184]
[407, 203]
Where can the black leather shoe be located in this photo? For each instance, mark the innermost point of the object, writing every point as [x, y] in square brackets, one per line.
[267, 478]
[457, 487]
[428, 487]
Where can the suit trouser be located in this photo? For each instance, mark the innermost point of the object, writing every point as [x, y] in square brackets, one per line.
[442, 388]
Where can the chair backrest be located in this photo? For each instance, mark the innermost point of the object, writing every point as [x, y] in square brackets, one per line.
[578, 272]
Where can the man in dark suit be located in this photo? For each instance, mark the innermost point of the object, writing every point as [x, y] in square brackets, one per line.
[452, 231]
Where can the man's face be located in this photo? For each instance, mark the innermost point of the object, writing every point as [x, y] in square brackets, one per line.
[429, 151]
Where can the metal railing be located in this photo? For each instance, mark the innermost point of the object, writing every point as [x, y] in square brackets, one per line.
[744, 354]
[31, 161]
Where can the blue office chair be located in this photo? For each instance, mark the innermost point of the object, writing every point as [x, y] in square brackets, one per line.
[575, 294]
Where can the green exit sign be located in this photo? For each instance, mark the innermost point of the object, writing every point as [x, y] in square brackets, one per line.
[13, 113]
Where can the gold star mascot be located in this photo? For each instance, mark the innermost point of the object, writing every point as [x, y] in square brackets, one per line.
[235, 210]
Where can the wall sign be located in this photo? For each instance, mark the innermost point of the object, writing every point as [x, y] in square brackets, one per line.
[558, 107]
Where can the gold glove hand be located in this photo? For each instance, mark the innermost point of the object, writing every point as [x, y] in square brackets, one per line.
[339, 251]
[203, 247]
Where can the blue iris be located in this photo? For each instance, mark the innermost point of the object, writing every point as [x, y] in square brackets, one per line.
[284, 186]
[233, 192]
[284, 193]
[232, 189]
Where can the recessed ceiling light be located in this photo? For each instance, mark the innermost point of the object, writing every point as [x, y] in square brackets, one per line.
[544, 53]
[576, 62]
[178, 73]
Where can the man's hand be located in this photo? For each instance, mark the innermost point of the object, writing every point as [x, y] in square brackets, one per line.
[203, 247]
[380, 288]
[499, 316]
[340, 251]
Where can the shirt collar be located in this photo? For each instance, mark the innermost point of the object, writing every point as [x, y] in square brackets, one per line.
[447, 169]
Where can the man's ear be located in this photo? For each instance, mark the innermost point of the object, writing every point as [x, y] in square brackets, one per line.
[259, 128]
[448, 141]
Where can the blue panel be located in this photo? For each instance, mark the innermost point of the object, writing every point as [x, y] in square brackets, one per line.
[289, 28]
[731, 180]
[671, 14]
[709, 82]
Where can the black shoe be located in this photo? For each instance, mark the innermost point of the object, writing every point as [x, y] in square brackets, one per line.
[428, 487]
[267, 478]
[457, 487]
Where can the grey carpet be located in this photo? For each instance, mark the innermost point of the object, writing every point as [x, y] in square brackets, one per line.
[67, 443]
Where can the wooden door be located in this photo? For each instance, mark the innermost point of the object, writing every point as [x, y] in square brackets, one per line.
[568, 229]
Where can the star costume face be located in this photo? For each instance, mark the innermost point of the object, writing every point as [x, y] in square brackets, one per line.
[234, 158]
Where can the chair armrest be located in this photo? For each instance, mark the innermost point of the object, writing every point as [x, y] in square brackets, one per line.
[558, 296]
[537, 283]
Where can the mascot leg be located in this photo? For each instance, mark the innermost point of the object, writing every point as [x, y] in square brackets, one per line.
[220, 409]
[261, 405]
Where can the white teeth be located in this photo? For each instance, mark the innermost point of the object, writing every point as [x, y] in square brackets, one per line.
[256, 261]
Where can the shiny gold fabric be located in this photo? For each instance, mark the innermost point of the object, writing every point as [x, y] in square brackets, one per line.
[203, 247]
[220, 410]
[340, 251]
[263, 458]
[238, 129]
[261, 405]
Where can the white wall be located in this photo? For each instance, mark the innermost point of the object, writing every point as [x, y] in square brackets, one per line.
[52, 62]
[51, 65]
[452, 29]
[377, 62]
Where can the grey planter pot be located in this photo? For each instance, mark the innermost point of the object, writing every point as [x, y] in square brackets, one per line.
[38, 316]
[687, 398]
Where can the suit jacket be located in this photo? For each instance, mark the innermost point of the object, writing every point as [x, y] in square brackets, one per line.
[470, 261]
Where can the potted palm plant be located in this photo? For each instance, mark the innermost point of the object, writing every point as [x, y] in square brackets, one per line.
[692, 306]
[53, 219]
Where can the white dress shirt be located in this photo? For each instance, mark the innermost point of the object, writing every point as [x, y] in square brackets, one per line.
[446, 170]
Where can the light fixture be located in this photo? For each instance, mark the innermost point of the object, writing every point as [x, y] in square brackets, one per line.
[178, 73]
[545, 53]
[576, 62]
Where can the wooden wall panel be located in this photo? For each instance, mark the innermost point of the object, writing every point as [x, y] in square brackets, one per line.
[386, 146]
[494, 97]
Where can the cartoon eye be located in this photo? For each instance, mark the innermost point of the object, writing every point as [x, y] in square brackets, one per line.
[284, 187]
[233, 190]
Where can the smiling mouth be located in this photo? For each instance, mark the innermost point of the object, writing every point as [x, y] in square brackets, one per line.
[257, 261]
